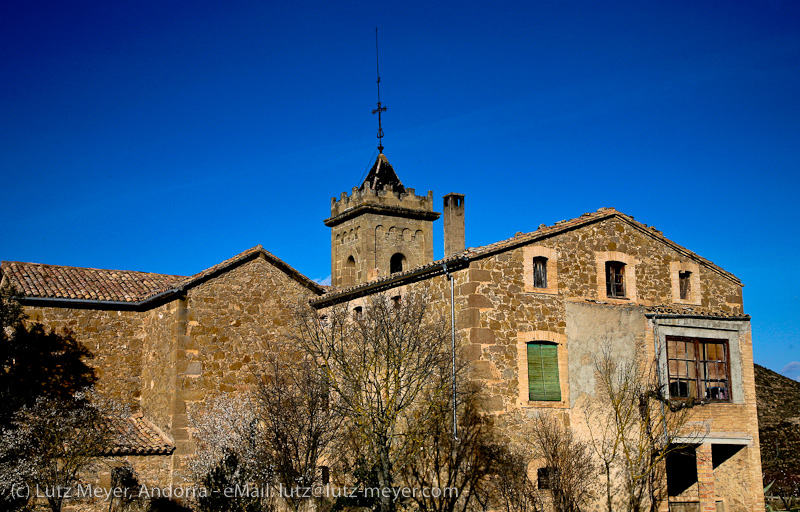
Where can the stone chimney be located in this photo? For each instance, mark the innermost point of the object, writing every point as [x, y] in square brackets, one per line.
[453, 224]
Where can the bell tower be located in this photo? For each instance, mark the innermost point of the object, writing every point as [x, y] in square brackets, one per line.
[381, 228]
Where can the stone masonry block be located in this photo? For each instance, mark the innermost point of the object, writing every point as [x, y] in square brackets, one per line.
[469, 317]
[479, 275]
[481, 336]
[475, 300]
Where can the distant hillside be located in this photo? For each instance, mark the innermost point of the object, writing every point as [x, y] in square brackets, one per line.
[778, 401]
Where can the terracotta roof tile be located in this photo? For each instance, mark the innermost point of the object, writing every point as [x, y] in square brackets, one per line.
[36, 280]
[55, 281]
[137, 436]
[692, 310]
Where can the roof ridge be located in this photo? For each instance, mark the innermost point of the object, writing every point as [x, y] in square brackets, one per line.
[4, 262]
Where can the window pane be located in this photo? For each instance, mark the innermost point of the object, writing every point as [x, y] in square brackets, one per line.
[540, 272]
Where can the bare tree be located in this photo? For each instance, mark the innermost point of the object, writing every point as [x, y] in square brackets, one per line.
[569, 466]
[451, 474]
[54, 443]
[299, 419]
[274, 438]
[634, 428]
[384, 365]
[510, 487]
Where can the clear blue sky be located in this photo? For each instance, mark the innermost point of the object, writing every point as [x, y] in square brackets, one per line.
[167, 136]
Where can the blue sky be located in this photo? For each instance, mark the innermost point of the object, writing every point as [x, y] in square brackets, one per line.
[167, 136]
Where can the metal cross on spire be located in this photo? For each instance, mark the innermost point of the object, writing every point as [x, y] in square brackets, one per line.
[380, 107]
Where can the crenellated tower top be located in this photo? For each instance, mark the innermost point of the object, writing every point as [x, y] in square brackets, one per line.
[382, 191]
[380, 228]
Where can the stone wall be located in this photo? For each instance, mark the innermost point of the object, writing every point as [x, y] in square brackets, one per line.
[497, 312]
[114, 337]
[222, 338]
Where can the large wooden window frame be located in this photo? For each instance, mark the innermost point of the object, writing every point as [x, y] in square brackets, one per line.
[544, 382]
[693, 366]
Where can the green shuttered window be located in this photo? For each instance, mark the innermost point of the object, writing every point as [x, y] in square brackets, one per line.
[543, 371]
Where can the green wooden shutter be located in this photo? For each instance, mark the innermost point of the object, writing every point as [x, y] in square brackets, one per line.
[543, 381]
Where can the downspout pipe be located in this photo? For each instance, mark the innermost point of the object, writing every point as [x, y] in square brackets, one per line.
[453, 346]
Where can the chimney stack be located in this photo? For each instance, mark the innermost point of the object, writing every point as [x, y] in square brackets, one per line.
[453, 224]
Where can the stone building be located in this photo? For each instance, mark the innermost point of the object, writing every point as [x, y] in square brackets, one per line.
[531, 312]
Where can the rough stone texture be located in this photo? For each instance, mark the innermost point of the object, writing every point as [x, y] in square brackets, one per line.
[453, 209]
[114, 337]
[496, 313]
[370, 226]
[172, 358]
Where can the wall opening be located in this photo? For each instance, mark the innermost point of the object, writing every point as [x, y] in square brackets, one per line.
[349, 272]
[397, 263]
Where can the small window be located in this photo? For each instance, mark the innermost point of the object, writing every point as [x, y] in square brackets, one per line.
[396, 263]
[357, 311]
[615, 279]
[684, 280]
[396, 302]
[698, 368]
[540, 272]
[544, 477]
[543, 382]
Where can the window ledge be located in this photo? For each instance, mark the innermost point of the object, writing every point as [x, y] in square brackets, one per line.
[546, 404]
[545, 291]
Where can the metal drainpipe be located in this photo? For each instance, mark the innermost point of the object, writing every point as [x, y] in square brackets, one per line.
[453, 346]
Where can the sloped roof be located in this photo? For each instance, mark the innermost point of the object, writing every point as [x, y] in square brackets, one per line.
[693, 311]
[39, 281]
[382, 173]
[137, 436]
[56, 281]
[520, 239]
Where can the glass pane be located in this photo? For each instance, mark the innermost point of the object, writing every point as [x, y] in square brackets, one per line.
[691, 369]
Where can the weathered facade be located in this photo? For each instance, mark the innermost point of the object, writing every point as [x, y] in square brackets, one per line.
[532, 314]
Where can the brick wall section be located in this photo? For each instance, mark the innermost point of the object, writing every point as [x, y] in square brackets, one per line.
[705, 478]
[578, 277]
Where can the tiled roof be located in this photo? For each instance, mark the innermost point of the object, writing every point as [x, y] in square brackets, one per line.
[55, 281]
[35, 280]
[520, 239]
[588, 218]
[243, 256]
[691, 310]
[428, 270]
[137, 436]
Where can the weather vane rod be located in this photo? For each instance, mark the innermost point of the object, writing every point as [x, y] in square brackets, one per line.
[380, 107]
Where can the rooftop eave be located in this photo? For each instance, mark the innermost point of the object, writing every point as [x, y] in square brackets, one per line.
[413, 275]
[392, 211]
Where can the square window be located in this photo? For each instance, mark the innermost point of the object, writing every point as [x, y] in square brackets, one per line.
[698, 368]
[544, 477]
